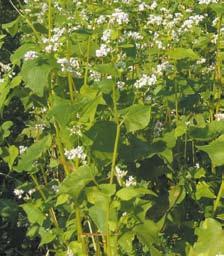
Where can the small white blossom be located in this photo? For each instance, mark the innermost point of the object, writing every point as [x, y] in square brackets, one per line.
[96, 76]
[145, 80]
[207, 1]
[103, 51]
[18, 193]
[69, 65]
[22, 149]
[30, 55]
[69, 252]
[120, 173]
[219, 116]
[120, 85]
[76, 130]
[74, 153]
[197, 165]
[130, 182]
[119, 17]
[106, 35]
[143, 6]
[101, 19]
[55, 188]
[201, 61]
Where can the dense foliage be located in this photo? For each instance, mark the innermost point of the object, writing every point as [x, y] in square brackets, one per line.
[112, 128]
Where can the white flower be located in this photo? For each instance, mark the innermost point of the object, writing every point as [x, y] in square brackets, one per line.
[74, 153]
[162, 67]
[119, 17]
[22, 149]
[101, 19]
[30, 55]
[214, 39]
[76, 130]
[197, 165]
[120, 84]
[143, 6]
[153, 6]
[106, 35]
[103, 51]
[31, 191]
[96, 76]
[69, 252]
[219, 116]
[18, 193]
[55, 188]
[68, 65]
[4, 68]
[130, 181]
[145, 80]
[207, 1]
[155, 20]
[201, 61]
[134, 35]
[120, 173]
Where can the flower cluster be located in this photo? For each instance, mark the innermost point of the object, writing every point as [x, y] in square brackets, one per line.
[119, 17]
[145, 80]
[103, 51]
[70, 65]
[30, 55]
[131, 181]
[53, 44]
[76, 153]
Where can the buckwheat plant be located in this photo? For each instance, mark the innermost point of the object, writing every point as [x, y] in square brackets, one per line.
[122, 147]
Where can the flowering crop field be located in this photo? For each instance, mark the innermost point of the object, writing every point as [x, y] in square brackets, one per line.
[112, 128]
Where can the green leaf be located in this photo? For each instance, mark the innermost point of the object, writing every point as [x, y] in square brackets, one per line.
[61, 199]
[5, 129]
[182, 53]
[102, 144]
[148, 232]
[61, 110]
[8, 209]
[34, 214]
[125, 242]
[210, 239]
[47, 236]
[215, 151]
[98, 214]
[33, 153]
[35, 74]
[129, 193]
[107, 68]
[12, 154]
[21, 51]
[203, 190]
[218, 8]
[12, 27]
[176, 195]
[74, 183]
[136, 117]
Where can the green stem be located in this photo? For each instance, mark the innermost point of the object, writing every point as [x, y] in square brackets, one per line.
[87, 64]
[49, 18]
[27, 20]
[108, 247]
[176, 101]
[81, 239]
[218, 75]
[114, 159]
[51, 210]
[61, 150]
[118, 132]
[218, 198]
[69, 75]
